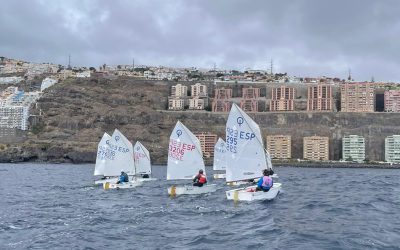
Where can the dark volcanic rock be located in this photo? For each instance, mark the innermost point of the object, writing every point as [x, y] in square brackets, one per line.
[76, 113]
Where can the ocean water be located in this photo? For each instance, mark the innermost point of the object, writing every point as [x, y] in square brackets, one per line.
[45, 206]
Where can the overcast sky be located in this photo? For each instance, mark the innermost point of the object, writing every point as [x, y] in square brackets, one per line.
[304, 38]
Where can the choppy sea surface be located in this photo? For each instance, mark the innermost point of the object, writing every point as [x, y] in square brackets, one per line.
[45, 206]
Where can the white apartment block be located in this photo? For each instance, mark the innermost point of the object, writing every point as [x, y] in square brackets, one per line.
[176, 104]
[196, 103]
[199, 90]
[14, 117]
[392, 149]
[353, 147]
[179, 90]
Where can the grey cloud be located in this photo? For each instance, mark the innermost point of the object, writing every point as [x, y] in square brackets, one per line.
[305, 37]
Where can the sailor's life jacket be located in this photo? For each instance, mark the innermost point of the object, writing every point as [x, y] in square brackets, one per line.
[123, 178]
[265, 183]
[200, 178]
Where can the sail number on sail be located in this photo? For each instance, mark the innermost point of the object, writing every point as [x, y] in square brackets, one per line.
[178, 149]
[232, 136]
[139, 155]
[105, 153]
[117, 148]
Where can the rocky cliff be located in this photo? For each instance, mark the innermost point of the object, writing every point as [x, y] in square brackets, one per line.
[72, 116]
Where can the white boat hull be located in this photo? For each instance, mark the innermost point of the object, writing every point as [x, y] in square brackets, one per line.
[145, 179]
[219, 176]
[125, 185]
[188, 189]
[249, 194]
[113, 180]
[238, 183]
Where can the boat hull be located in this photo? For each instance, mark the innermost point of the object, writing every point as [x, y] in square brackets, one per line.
[188, 189]
[249, 194]
[126, 185]
[115, 179]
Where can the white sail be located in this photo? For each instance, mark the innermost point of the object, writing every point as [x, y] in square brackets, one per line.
[142, 159]
[103, 153]
[245, 149]
[185, 158]
[220, 155]
[121, 155]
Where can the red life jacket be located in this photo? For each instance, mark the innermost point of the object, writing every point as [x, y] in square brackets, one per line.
[202, 178]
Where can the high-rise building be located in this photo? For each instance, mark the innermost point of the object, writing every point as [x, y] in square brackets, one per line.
[316, 148]
[179, 90]
[207, 141]
[199, 90]
[14, 117]
[221, 105]
[223, 93]
[249, 105]
[353, 147]
[176, 103]
[320, 98]
[392, 149]
[250, 93]
[282, 99]
[196, 103]
[392, 100]
[279, 146]
[357, 97]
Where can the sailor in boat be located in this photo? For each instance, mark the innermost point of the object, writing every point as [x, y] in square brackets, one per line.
[200, 179]
[265, 183]
[123, 178]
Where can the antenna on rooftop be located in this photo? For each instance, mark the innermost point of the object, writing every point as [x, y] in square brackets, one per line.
[272, 66]
[69, 61]
[349, 78]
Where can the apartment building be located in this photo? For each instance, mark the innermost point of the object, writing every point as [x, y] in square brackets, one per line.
[357, 97]
[221, 105]
[279, 146]
[250, 93]
[176, 103]
[353, 147]
[282, 99]
[249, 105]
[316, 148]
[320, 98]
[392, 100]
[207, 141]
[223, 93]
[199, 90]
[392, 149]
[14, 117]
[179, 90]
[196, 103]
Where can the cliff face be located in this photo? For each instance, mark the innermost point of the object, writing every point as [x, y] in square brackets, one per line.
[76, 113]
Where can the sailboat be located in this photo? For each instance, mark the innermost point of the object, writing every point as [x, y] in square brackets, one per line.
[121, 158]
[142, 162]
[219, 158]
[246, 157]
[185, 159]
[103, 153]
